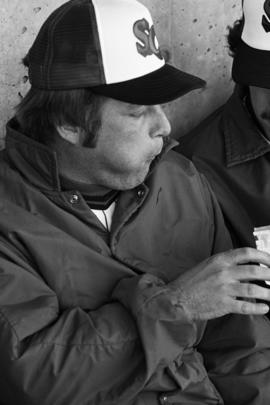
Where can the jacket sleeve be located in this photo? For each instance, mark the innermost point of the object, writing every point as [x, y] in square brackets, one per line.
[78, 357]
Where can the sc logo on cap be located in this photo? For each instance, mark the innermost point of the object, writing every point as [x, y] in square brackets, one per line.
[147, 36]
[266, 21]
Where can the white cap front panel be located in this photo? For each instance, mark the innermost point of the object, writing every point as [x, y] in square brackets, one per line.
[127, 38]
[256, 32]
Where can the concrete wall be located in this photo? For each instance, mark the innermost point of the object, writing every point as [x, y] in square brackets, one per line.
[191, 32]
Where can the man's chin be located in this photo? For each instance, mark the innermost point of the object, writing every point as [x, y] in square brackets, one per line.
[122, 182]
[135, 181]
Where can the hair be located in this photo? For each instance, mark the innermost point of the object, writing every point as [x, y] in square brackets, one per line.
[234, 36]
[41, 111]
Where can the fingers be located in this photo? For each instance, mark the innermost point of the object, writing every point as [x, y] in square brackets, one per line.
[250, 290]
[247, 291]
[251, 272]
[249, 308]
[247, 255]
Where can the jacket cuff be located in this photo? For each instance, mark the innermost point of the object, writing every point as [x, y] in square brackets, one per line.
[164, 327]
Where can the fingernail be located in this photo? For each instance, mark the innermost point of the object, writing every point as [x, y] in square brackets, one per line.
[265, 308]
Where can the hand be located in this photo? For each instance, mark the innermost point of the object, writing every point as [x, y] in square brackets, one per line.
[220, 285]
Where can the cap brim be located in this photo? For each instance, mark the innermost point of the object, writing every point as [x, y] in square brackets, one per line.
[161, 86]
[251, 67]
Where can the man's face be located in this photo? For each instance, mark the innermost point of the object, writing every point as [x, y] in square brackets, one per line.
[129, 138]
[260, 100]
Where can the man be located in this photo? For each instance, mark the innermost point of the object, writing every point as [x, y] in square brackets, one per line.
[108, 294]
[231, 147]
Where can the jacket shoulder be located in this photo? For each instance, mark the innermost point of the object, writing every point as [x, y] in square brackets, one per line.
[178, 163]
[204, 137]
[177, 172]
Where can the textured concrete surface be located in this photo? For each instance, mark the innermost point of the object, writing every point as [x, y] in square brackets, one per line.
[191, 33]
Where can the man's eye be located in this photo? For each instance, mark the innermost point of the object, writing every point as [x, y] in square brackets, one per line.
[137, 114]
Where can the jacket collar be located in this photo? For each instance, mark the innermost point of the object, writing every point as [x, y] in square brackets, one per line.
[243, 139]
[38, 164]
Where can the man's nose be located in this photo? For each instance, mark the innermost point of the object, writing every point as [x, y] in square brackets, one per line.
[161, 124]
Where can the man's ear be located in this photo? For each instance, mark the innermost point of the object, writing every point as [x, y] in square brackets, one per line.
[71, 134]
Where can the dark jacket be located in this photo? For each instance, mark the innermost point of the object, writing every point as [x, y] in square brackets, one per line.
[86, 317]
[234, 156]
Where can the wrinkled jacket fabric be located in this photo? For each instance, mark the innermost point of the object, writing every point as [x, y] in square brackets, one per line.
[230, 150]
[87, 317]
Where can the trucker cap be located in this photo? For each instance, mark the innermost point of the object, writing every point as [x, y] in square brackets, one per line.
[251, 64]
[109, 46]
